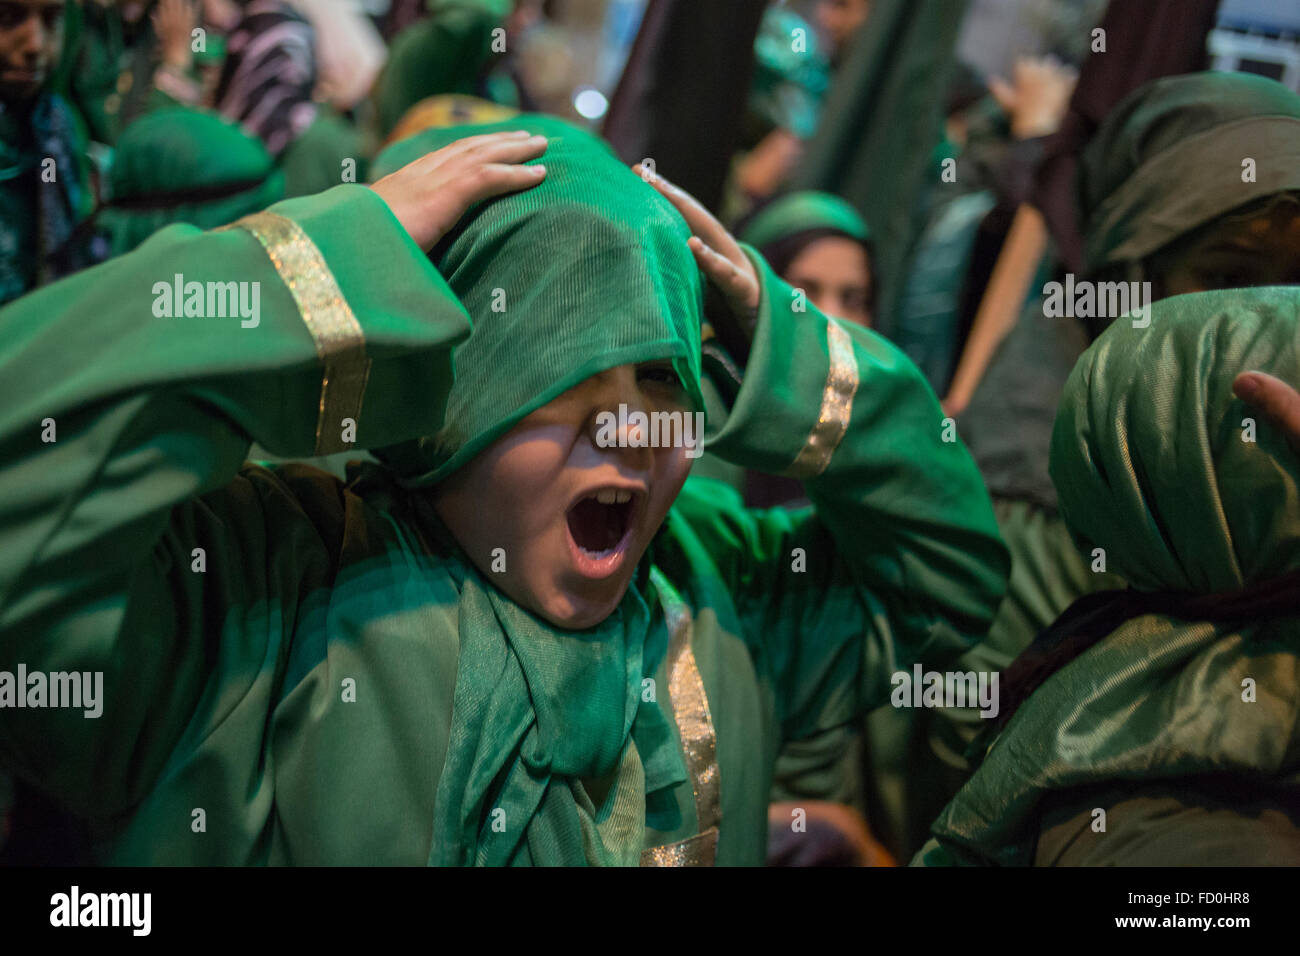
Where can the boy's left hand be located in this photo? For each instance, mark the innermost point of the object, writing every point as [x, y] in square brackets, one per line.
[1279, 402]
[717, 252]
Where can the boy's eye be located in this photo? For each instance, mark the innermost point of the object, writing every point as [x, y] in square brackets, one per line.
[658, 374]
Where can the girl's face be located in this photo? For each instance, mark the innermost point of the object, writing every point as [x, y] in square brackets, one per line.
[835, 274]
[555, 514]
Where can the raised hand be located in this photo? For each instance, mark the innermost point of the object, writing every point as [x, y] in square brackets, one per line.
[429, 196]
[718, 254]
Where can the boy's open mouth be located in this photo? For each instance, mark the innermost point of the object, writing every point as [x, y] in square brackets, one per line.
[600, 526]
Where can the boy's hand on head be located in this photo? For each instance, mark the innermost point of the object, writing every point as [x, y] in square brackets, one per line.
[429, 195]
[717, 252]
[1277, 400]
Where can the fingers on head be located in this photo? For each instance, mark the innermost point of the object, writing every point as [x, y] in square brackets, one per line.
[494, 179]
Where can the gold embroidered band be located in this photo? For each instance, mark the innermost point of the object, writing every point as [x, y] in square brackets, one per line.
[334, 329]
[699, 739]
[837, 406]
[699, 850]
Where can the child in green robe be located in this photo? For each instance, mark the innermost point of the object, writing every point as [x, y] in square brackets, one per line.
[527, 638]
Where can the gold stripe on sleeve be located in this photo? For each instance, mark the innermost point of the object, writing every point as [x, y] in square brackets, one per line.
[334, 329]
[837, 406]
[690, 707]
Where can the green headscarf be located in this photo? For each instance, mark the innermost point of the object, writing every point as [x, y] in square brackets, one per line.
[1147, 452]
[1150, 464]
[1169, 158]
[801, 211]
[584, 272]
[184, 165]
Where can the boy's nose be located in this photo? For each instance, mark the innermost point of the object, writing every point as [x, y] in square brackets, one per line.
[618, 394]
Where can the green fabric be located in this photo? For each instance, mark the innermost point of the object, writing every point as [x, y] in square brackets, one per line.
[800, 211]
[929, 307]
[112, 82]
[315, 161]
[1169, 158]
[179, 150]
[882, 119]
[227, 689]
[1150, 464]
[446, 52]
[584, 272]
[791, 74]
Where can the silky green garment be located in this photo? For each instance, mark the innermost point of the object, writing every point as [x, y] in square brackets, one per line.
[587, 271]
[1171, 157]
[167, 159]
[1186, 489]
[801, 211]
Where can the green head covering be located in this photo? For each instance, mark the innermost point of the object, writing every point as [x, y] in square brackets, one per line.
[584, 272]
[801, 211]
[1150, 464]
[183, 165]
[1169, 158]
[1148, 455]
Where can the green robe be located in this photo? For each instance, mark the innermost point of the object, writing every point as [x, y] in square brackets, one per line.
[298, 688]
[1184, 732]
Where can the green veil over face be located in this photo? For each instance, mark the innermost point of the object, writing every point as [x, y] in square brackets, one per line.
[584, 272]
[1154, 460]
[1171, 157]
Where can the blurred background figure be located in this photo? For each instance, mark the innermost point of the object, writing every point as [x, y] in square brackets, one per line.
[182, 165]
[45, 187]
[839, 21]
[269, 85]
[791, 76]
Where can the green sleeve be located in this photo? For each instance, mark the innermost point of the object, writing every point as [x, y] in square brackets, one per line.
[897, 561]
[122, 435]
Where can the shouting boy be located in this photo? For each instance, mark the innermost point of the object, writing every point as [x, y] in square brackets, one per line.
[512, 643]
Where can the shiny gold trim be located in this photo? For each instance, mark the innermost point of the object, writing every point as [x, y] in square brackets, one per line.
[690, 707]
[837, 406]
[334, 329]
[699, 850]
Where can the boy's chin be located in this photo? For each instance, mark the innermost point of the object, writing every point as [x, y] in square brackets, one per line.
[571, 612]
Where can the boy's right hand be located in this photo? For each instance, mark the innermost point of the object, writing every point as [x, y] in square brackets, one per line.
[429, 195]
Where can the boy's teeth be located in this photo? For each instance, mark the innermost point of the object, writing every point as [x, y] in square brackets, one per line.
[612, 496]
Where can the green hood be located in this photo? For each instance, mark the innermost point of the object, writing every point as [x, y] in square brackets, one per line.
[1169, 158]
[1147, 452]
[801, 211]
[587, 271]
[1149, 463]
[183, 165]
